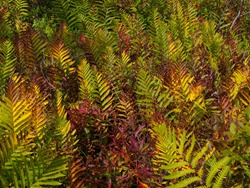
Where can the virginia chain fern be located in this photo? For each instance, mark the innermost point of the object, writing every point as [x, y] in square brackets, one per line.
[182, 165]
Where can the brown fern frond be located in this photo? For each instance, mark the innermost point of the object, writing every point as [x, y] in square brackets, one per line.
[77, 172]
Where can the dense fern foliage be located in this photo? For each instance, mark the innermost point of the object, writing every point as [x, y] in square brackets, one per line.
[122, 93]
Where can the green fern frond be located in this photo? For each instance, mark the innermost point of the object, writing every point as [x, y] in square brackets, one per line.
[20, 7]
[221, 176]
[101, 40]
[67, 11]
[179, 174]
[174, 165]
[51, 172]
[185, 182]
[200, 155]
[107, 14]
[87, 81]
[39, 46]
[190, 149]
[184, 26]
[152, 93]
[212, 40]
[63, 129]
[215, 168]
[158, 32]
[7, 62]
[183, 166]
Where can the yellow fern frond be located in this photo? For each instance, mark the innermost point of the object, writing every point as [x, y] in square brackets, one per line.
[62, 57]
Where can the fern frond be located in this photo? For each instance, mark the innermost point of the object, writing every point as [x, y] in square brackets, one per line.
[184, 167]
[240, 85]
[185, 182]
[190, 149]
[21, 7]
[62, 57]
[200, 155]
[184, 26]
[174, 165]
[221, 176]
[76, 172]
[213, 41]
[152, 93]
[54, 170]
[179, 174]
[104, 92]
[215, 168]
[15, 116]
[158, 32]
[106, 15]
[67, 11]
[63, 130]
[100, 42]
[38, 118]
[124, 108]
[87, 81]
[7, 62]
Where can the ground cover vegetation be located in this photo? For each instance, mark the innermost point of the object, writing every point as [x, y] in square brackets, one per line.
[124, 93]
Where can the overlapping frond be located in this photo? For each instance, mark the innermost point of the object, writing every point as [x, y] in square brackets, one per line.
[25, 157]
[94, 87]
[182, 166]
[100, 41]
[34, 51]
[184, 24]
[152, 94]
[67, 11]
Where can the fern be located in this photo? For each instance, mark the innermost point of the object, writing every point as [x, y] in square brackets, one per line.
[62, 57]
[186, 182]
[7, 62]
[100, 41]
[152, 94]
[5, 25]
[174, 154]
[26, 159]
[21, 7]
[15, 116]
[158, 32]
[87, 81]
[66, 10]
[222, 174]
[183, 26]
[106, 15]
[213, 41]
[94, 87]
[238, 88]
[76, 172]
[104, 92]
[215, 168]
[125, 107]
[19, 11]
